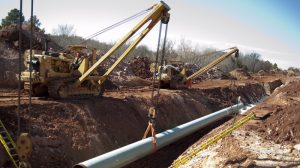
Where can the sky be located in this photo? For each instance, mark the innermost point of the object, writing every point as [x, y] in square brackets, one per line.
[269, 27]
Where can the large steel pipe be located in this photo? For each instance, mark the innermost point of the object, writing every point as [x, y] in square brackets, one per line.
[132, 152]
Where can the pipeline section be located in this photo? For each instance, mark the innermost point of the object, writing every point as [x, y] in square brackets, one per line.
[132, 152]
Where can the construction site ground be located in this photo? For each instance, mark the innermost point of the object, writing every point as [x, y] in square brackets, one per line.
[66, 132]
[271, 139]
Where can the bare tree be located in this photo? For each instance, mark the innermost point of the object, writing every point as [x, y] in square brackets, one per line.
[170, 52]
[141, 51]
[64, 30]
[251, 60]
[187, 52]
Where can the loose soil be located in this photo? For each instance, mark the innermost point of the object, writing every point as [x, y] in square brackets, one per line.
[267, 141]
[66, 132]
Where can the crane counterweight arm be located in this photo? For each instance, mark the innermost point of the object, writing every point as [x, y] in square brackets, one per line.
[159, 12]
[213, 64]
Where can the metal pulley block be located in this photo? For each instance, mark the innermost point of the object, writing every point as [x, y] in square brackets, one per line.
[24, 149]
[152, 113]
[237, 54]
[165, 18]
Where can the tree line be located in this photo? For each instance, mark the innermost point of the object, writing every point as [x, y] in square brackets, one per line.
[13, 17]
[184, 51]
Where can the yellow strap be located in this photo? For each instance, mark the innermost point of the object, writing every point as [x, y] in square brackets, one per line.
[182, 160]
[5, 146]
[147, 131]
[8, 135]
[153, 134]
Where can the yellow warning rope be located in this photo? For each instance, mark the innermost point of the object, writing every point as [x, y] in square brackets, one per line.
[182, 160]
[3, 142]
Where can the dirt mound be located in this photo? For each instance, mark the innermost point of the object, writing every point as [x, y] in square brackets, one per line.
[252, 145]
[284, 123]
[66, 132]
[8, 65]
[291, 73]
[240, 74]
[249, 94]
[278, 71]
[270, 86]
[122, 69]
[129, 81]
[191, 68]
[122, 76]
[140, 66]
[261, 72]
[217, 73]
[11, 36]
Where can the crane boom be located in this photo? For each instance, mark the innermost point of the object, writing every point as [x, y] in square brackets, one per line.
[213, 64]
[67, 75]
[159, 12]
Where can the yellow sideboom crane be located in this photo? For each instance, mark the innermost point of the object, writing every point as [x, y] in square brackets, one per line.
[174, 75]
[203, 70]
[55, 74]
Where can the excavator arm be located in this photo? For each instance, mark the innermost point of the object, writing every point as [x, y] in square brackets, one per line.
[213, 64]
[159, 12]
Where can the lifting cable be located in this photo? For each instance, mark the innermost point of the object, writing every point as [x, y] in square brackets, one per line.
[233, 87]
[156, 64]
[153, 109]
[30, 68]
[19, 68]
[161, 63]
[210, 53]
[117, 24]
[112, 26]
[155, 97]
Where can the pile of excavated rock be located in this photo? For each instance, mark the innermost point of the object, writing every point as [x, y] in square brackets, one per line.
[217, 73]
[140, 66]
[240, 73]
[122, 69]
[10, 35]
[192, 68]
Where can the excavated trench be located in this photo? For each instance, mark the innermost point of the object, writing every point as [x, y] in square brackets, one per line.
[66, 132]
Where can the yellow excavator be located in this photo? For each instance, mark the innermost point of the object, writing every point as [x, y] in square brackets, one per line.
[174, 76]
[62, 75]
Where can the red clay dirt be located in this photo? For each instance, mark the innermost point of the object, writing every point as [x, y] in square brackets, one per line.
[266, 141]
[284, 122]
[66, 132]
